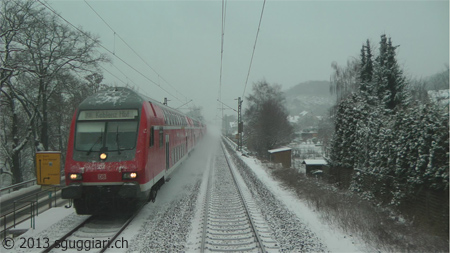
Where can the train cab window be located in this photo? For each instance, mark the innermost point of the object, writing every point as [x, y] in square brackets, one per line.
[152, 137]
[114, 135]
[121, 135]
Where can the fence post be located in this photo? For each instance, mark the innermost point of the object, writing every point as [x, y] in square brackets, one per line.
[14, 213]
[37, 204]
[55, 196]
[4, 226]
[31, 213]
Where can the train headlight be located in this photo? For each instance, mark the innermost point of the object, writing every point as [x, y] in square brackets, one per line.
[103, 156]
[76, 176]
[129, 175]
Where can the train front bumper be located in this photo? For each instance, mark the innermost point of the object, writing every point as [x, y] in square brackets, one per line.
[73, 191]
[76, 191]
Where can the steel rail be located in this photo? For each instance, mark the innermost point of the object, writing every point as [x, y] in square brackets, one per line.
[207, 201]
[89, 220]
[227, 227]
[125, 225]
[56, 243]
[253, 226]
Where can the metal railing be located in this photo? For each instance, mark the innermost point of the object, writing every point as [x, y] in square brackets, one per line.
[19, 213]
[14, 187]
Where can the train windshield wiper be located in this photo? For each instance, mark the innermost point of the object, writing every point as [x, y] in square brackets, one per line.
[95, 143]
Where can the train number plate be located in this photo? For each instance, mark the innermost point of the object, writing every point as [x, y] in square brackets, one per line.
[101, 176]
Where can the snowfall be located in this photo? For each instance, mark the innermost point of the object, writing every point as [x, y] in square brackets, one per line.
[171, 222]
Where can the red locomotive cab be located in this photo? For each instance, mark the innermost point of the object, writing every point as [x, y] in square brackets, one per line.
[106, 156]
[121, 149]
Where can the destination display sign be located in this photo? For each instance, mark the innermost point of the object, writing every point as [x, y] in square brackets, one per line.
[107, 114]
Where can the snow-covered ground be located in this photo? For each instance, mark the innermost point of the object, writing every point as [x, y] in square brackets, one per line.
[169, 224]
[334, 238]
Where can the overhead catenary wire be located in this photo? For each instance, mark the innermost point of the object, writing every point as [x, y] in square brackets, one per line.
[254, 47]
[132, 49]
[224, 7]
[222, 103]
[114, 75]
[106, 70]
[222, 43]
[108, 50]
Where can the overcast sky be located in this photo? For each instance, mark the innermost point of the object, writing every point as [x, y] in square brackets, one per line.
[298, 41]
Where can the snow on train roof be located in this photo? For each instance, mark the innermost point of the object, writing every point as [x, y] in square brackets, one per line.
[114, 97]
[122, 97]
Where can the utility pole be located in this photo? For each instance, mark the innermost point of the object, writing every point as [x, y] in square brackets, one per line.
[240, 125]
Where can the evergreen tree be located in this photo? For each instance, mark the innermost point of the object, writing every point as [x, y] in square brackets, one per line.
[343, 144]
[362, 75]
[366, 72]
[390, 84]
[396, 88]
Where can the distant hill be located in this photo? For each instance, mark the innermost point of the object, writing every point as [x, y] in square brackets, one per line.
[312, 96]
[315, 98]
[438, 81]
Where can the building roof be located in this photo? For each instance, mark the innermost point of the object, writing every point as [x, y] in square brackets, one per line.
[279, 150]
[315, 162]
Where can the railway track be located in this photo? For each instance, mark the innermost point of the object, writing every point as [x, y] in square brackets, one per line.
[97, 234]
[231, 220]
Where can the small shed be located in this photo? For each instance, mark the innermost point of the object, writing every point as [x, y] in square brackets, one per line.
[281, 155]
[308, 135]
[318, 166]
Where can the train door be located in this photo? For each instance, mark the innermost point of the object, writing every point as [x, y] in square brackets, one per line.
[167, 152]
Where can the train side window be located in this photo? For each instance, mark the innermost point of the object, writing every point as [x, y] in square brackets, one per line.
[161, 137]
[152, 137]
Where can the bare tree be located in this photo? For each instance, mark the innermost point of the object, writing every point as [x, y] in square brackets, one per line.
[266, 119]
[345, 80]
[53, 48]
[195, 112]
[12, 23]
[39, 54]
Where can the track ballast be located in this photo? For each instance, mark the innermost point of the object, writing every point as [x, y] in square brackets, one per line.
[231, 220]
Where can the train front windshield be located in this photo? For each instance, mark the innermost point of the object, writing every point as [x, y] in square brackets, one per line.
[109, 130]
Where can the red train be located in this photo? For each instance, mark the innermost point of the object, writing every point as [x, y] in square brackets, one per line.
[122, 147]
